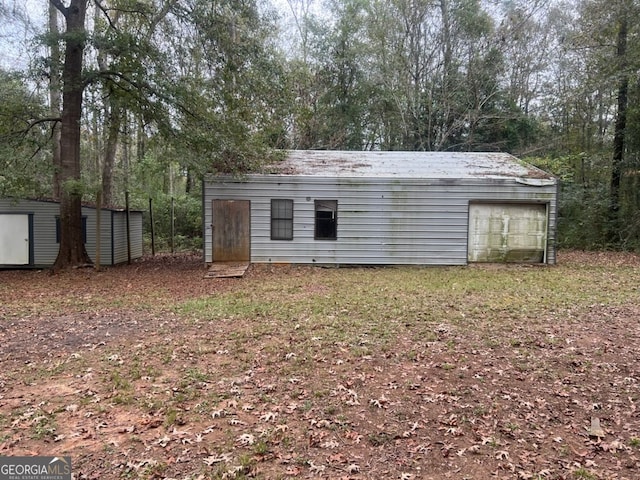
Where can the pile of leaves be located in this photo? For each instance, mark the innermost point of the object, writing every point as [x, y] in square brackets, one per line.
[151, 371]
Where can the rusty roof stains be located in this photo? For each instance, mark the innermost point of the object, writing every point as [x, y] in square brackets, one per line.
[433, 165]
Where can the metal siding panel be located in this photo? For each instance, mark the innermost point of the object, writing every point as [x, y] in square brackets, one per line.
[552, 241]
[44, 245]
[119, 238]
[136, 234]
[112, 236]
[380, 221]
[106, 237]
[45, 248]
[106, 253]
[119, 235]
[204, 224]
[90, 245]
[44, 229]
[208, 189]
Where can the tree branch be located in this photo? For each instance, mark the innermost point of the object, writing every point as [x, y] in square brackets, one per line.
[28, 127]
[23, 133]
[105, 10]
[164, 11]
[32, 124]
[60, 6]
[142, 87]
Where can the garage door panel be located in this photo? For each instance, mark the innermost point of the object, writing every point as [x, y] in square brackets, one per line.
[507, 233]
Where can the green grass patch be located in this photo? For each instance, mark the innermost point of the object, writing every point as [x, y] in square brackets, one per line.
[346, 305]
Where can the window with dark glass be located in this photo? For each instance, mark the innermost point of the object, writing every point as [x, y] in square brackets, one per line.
[326, 227]
[281, 219]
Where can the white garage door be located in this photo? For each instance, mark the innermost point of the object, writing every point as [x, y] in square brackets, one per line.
[507, 232]
[14, 239]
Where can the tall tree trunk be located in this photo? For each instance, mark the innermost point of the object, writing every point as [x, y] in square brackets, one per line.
[187, 187]
[113, 121]
[113, 131]
[619, 134]
[54, 96]
[72, 250]
[126, 147]
[141, 145]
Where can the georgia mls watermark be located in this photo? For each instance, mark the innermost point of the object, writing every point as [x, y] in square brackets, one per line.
[35, 468]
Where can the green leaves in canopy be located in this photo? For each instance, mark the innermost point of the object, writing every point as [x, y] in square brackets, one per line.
[227, 87]
[24, 135]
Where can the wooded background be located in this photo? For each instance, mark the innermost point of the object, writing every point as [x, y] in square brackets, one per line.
[145, 96]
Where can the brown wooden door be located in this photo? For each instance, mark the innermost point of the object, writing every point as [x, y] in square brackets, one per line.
[231, 230]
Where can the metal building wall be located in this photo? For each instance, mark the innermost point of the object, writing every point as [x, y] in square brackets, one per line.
[380, 220]
[105, 235]
[45, 247]
[119, 235]
[136, 234]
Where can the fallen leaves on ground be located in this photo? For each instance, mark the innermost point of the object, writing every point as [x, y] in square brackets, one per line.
[104, 367]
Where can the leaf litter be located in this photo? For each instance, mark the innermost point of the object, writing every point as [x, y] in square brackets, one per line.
[442, 379]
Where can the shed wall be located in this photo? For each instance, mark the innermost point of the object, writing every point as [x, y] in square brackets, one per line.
[45, 246]
[119, 240]
[380, 220]
[105, 235]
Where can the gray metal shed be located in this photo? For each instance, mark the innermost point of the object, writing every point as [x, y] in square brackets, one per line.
[29, 233]
[374, 208]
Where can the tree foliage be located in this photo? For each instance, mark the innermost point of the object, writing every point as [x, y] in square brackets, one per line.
[24, 146]
[193, 76]
[173, 89]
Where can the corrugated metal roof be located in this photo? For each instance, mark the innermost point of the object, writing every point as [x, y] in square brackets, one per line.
[406, 165]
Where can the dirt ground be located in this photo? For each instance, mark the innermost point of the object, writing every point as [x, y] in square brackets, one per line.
[105, 368]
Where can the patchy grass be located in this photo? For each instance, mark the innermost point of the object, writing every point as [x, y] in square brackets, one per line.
[151, 371]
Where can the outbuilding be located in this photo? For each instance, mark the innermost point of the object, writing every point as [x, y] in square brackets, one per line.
[383, 208]
[30, 233]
